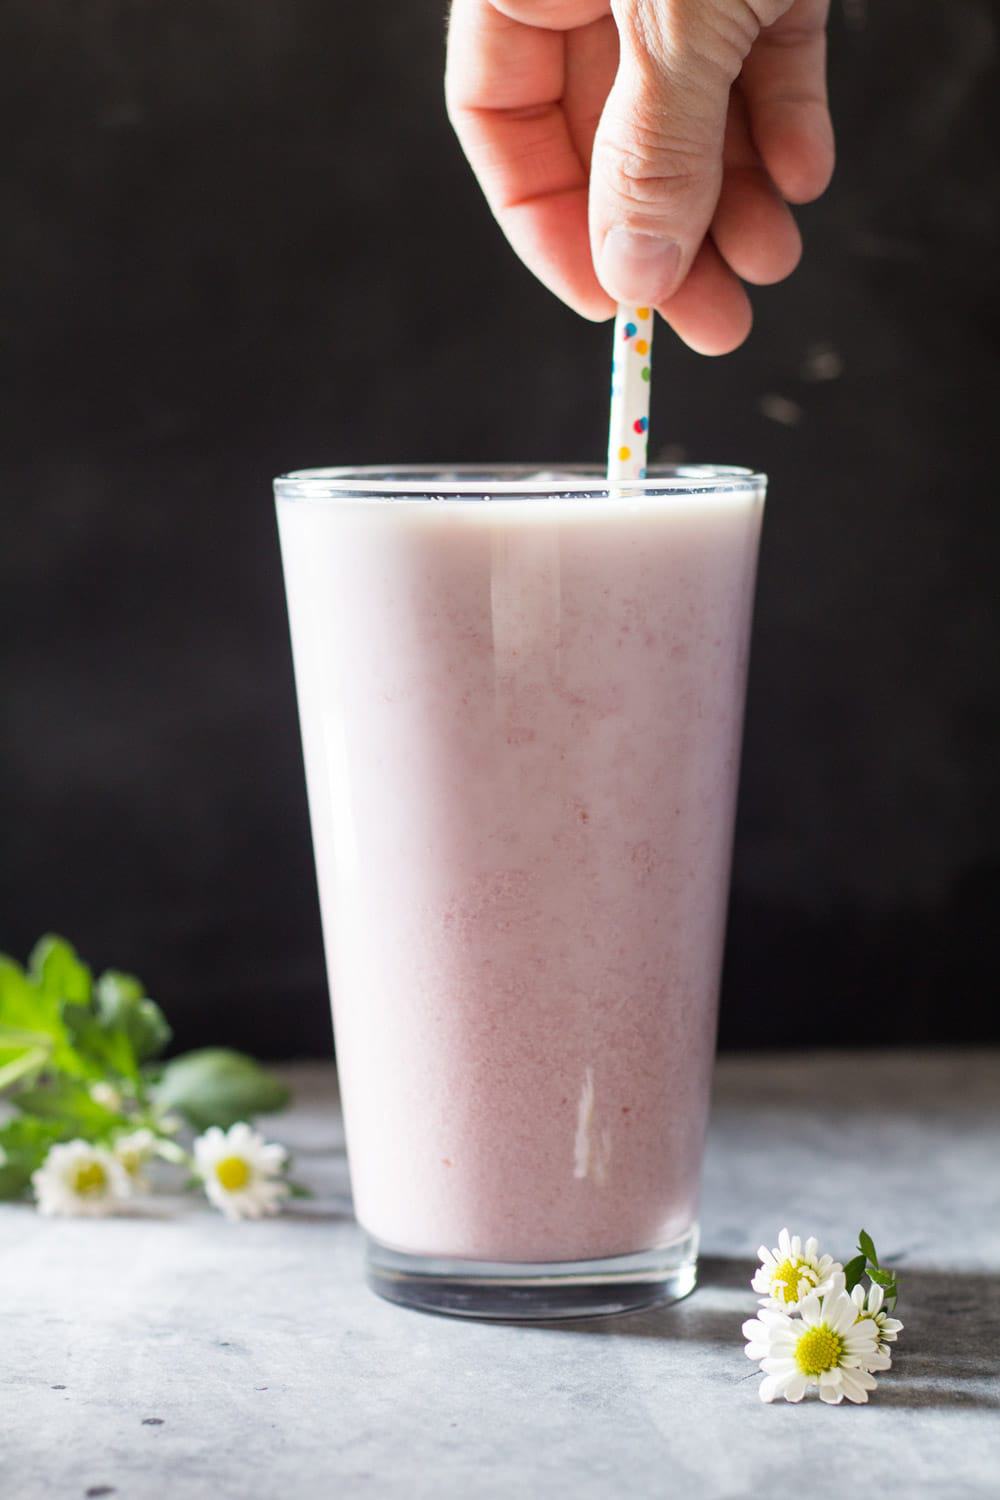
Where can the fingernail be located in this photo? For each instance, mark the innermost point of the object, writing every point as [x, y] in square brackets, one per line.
[637, 267]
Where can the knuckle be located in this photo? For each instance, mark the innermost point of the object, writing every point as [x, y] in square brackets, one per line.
[644, 167]
[765, 12]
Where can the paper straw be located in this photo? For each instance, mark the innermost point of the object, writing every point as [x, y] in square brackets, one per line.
[628, 437]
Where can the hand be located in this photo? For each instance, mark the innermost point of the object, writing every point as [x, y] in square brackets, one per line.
[646, 150]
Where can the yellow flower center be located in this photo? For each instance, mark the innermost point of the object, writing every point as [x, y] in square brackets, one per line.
[90, 1178]
[233, 1173]
[819, 1349]
[788, 1274]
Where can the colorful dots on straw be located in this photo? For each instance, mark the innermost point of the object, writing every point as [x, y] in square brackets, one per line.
[629, 427]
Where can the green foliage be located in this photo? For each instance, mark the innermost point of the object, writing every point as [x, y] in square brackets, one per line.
[853, 1272]
[216, 1086]
[876, 1273]
[30, 1020]
[867, 1247]
[24, 1144]
[75, 1062]
[70, 1102]
[55, 968]
[122, 1004]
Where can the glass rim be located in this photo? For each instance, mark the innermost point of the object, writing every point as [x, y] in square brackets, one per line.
[508, 481]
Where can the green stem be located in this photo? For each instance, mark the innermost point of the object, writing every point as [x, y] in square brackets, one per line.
[12, 1072]
[18, 1036]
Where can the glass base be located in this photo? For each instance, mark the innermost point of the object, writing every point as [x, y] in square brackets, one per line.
[522, 1292]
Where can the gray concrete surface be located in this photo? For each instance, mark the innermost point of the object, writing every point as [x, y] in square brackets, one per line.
[176, 1356]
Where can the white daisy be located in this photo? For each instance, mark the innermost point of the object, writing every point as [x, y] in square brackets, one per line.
[241, 1172]
[78, 1178]
[133, 1151]
[828, 1346]
[107, 1096]
[792, 1271]
[886, 1329]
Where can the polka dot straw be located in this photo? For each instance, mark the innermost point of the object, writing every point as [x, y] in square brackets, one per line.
[629, 431]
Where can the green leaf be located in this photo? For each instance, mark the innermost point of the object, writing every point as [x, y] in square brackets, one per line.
[24, 1145]
[100, 1051]
[70, 1104]
[30, 1016]
[122, 1002]
[215, 1086]
[854, 1270]
[867, 1247]
[884, 1279]
[57, 969]
[14, 1037]
[23, 1005]
[17, 1001]
[13, 1181]
[31, 1060]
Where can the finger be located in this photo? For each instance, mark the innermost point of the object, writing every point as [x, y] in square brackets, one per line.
[591, 65]
[753, 228]
[657, 163]
[784, 83]
[711, 312]
[504, 84]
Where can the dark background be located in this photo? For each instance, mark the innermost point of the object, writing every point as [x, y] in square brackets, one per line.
[237, 236]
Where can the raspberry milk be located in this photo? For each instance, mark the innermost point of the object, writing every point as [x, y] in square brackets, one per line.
[521, 721]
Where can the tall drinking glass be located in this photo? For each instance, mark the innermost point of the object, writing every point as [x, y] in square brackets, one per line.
[521, 697]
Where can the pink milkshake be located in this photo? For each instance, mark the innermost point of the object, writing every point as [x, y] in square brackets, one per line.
[521, 714]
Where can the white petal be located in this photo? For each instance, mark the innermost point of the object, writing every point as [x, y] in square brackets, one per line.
[810, 1310]
[754, 1329]
[775, 1365]
[857, 1385]
[784, 1244]
[831, 1394]
[273, 1158]
[757, 1351]
[858, 1297]
[796, 1388]
[774, 1317]
[769, 1388]
[765, 1255]
[840, 1312]
[891, 1327]
[876, 1296]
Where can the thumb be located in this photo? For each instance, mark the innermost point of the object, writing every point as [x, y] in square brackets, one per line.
[656, 168]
